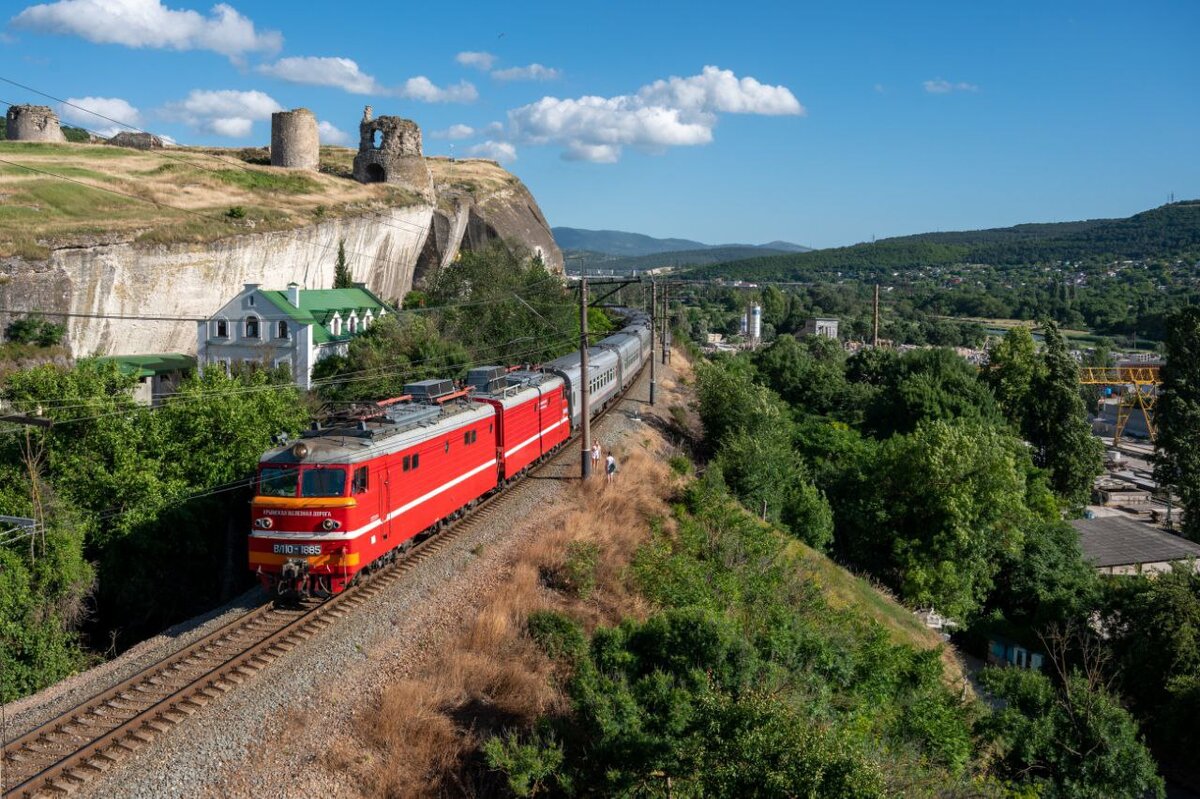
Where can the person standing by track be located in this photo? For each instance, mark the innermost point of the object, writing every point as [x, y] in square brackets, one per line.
[595, 457]
[610, 467]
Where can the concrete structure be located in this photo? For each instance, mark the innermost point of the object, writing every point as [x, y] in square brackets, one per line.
[389, 151]
[33, 123]
[295, 142]
[158, 375]
[1115, 545]
[136, 141]
[292, 329]
[821, 327]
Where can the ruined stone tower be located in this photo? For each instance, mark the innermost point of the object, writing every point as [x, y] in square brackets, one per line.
[389, 151]
[295, 143]
[33, 123]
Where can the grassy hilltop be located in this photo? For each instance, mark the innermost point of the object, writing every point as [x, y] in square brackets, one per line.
[86, 194]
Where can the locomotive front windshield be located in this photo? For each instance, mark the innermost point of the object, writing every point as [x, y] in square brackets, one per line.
[278, 482]
[323, 483]
[304, 482]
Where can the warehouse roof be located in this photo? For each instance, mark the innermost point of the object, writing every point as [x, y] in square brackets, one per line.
[1115, 541]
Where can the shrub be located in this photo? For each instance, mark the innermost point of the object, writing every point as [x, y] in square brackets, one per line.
[35, 330]
[236, 212]
[680, 465]
[580, 567]
[557, 634]
[527, 765]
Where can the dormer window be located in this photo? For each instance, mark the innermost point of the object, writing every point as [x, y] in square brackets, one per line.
[281, 330]
[335, 325]
[353, 324]
[367, 320]
[222, 329]
[252, 327]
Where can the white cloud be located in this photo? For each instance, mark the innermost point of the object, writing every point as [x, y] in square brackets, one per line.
[500, 151]
[666, 113]
[477, 60]
[720, 90]
[421, 88]
[531, 72]
[148, 23]
[332, 135]
[454, 132]
[940, 86]
[225, 112]
[341, 73]
[106, 116]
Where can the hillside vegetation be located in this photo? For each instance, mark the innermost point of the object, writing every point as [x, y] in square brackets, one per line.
[1169, 231]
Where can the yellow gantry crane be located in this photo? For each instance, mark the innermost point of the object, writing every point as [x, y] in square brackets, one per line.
[1139, 390]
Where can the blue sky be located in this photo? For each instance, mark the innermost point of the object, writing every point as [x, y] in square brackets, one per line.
[819, 123]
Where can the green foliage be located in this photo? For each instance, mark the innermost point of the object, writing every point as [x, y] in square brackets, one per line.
[284, 181]
[680, 465]
[236, 212]
[1178, 417]
[926, 385]
[35, 330]
[579, 569]
[527, 766]
[342, 278]
[937, 513]
[396, 350]
[1154, 638]
[1012, 366]
[1047, 582]
[557, 634]
[1072, 741]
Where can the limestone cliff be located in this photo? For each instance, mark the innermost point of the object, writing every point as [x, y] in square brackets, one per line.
[391, 249]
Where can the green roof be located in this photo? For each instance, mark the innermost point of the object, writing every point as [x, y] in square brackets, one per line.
[150, 365]
[318, 306]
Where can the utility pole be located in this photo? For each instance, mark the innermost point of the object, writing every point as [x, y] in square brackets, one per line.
[653, 322]
[666, 315]
[585, 422]
[875, 337]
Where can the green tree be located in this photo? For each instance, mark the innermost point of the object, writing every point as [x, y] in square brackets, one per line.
[1073, 741]
[1010, 371]
[1056, 424]
[342, 278]
[1177, 414]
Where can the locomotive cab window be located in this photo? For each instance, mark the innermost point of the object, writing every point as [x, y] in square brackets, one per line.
[278, 482]
[323, 483]
[361, 480]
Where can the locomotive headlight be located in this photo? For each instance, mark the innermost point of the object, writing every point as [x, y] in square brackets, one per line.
[300, 450]
[264, 523]
[331, 524]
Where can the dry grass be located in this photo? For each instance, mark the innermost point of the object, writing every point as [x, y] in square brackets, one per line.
[193, 188]
[423, 736]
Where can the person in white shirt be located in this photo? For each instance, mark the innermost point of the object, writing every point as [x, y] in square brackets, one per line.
[610, 467]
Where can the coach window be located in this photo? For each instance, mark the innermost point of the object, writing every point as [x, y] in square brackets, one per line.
[416, 460]
[275, 482]
[361, 480]
[318, 482]
[407, 462]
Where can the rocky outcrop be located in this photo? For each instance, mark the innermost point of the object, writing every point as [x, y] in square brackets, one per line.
[391, 251]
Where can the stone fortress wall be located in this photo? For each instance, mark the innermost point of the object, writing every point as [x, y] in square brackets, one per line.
[389, 151]
[33, 123]
[295, 141]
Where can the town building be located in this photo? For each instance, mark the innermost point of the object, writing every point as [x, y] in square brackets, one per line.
[158, 375]
[292, 329]
[1117, 545]
[821, 326]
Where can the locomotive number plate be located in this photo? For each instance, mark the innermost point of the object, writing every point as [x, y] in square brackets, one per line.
[297, 549]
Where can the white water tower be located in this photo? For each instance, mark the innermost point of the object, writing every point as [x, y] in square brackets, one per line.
[756, 322]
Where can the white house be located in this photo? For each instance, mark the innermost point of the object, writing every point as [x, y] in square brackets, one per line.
[293, 328]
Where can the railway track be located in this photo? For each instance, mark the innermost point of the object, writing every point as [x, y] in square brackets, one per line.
[63, 754]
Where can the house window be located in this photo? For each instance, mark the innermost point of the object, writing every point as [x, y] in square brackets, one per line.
[222, 329]
[368, 319]
[224, 364]
[250, 300]
[281, 330]
[335, 326]
[283, 363]
[361, 480]
[251, 327]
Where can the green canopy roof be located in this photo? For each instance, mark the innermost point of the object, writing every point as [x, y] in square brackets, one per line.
[318, 306]
[151, 365]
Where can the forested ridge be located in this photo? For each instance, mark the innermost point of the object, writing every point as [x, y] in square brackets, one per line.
[1171, 231]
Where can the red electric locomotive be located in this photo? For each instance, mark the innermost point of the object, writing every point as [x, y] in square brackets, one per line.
[352, 492]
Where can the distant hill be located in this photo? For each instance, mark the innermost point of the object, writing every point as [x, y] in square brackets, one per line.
[1168, 231]
[627, 245]
[577, 260]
